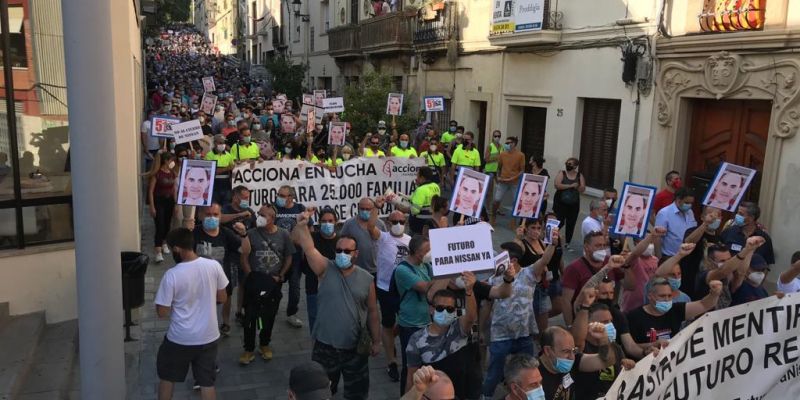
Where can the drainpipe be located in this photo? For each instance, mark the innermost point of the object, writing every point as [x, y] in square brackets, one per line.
[637, 103]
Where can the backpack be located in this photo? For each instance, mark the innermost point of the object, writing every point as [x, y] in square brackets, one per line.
[393, 290]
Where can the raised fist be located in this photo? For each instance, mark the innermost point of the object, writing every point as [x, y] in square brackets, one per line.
[753, 242]
[715, 287]
[686, 249]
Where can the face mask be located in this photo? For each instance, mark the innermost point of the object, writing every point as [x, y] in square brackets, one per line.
[467, 142]
[201, 119]
[342, 260]
[363, 215]
[599, 255]
[496, 139]
[287, 150]
[176, 257]
[612, 331]
[714, 225]
[246, 139]
[404, 143]
[535, 394]
[261, 222]
[663, 306]
[648, 252]
[398, 230]
[381, 131]
[507, 147]
[685, 207]
[211, 223]
[231, 123]
[569, 167]
[346, 156]
[460, 283]
[756, 277]
[326, 228]
[452, 128]
[599, 219]
[256, 126]
[221, 148]
[677, 183]
[433, 148]
[609, 202]
[719, 264]
[171, 165]
[564, 365]
[674, 283]
[443, 318]
[280, 202]
[458, 135]
[172, 145]
[244, 204]
[738, 220]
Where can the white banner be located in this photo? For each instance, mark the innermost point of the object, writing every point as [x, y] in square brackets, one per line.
[528, 15]
[749, 351]
[318, 186]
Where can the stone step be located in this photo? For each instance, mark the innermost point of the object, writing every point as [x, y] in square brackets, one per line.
[53, 364]
[19, 339]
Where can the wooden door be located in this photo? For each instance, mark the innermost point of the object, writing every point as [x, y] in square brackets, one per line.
[534, 120]
[735, 131]
[480, 135]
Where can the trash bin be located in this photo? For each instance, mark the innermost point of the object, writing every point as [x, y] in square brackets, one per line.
[134, 267]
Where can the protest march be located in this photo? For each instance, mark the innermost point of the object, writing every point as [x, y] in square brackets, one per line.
[394, 237]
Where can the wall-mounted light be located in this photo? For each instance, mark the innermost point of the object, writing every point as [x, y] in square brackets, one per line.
[296, 4]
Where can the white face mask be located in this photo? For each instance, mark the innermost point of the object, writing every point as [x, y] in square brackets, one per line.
[648, 252]
[608, 203]
[171, 165]
[398, 230]
[261, 222]
[433, 147]
[427, 258]
[756, 277]
[346, 156]
[599, 255]
[220, 148]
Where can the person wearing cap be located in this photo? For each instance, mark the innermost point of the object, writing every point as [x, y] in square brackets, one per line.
[752, 287]
[309, 381]
[225, 163]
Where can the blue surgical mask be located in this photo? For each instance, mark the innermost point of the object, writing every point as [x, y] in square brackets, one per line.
[343, 260]
[612, 331]
[714, 225]
[564, 365]
[507, 147]
[211, 223]
[364, 215]
[280, 202]
[326, 228]
[663, 306]
[244, 204]
[443, 318]
[453, 128]
[535, 394]
[404, 143]
[674, 283]
[738, 220]
[685, 207]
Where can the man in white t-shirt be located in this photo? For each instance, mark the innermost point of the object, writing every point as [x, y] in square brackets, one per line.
[789, 280]
[188, 294]
[598, 211]
[392, 248]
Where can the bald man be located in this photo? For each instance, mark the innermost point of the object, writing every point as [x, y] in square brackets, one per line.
[430, 384]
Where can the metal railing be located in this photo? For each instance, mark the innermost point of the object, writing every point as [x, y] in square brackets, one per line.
[344, 40]
[439, 29]
[390, 32]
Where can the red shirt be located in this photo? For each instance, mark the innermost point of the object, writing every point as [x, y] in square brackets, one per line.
[663, 198]
[579, 272]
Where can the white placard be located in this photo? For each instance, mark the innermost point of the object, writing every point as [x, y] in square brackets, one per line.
[278, 106]
[318, 113]
[333, 104]
[337, 132]
[161, 126]
[196, 183]
[308, 99]
[548, 230]
[288, 123]
[461, 248]
[501, 262]
[729, 186]
[208, 84]
[634, 210]
[187, 131]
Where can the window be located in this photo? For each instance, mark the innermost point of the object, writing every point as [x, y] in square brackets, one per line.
[397, 83]
[35, 182]
[324, 14]
[599, 141]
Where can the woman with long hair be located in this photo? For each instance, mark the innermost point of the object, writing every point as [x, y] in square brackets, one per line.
[162, 180]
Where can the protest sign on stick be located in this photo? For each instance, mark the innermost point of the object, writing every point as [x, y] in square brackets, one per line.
[336, 133]
[634, 210]
[333, 104]
[530, 195]
[394, 104]
[196, 182]
[208, 84]
[187, 131]
[161, 126]
[461, 248]
[469, 193]
[729, 186]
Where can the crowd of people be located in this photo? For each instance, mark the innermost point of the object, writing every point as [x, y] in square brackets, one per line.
[368, 278]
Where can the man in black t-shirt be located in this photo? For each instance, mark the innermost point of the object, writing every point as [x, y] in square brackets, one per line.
[287, 211]
[325, 241]
[703, 236]
[561, 361]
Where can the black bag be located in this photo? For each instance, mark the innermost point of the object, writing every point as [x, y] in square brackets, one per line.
[569, 197]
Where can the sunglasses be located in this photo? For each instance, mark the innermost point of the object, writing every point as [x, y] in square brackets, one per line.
[345, 251]
[397, 222]
[449, 309]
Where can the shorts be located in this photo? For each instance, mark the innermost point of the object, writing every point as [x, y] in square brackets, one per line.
[173, 361]
[231, 273]
[390, 306]
[541, 301]
[500, 190]
[555, 289]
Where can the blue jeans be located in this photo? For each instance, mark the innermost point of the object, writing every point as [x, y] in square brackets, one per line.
[311, 308]
[499, 350]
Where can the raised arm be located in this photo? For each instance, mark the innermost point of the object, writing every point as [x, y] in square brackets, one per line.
[372, 224]
[580, 325]
[607, 353]
[697, 308]
[504, 289]
[735, 263]
[791, 273]
[614, 262]
[302, 237]
[698, 232]
[666, 267]
[471, 316]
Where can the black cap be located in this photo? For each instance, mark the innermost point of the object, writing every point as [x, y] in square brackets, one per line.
[309, 381]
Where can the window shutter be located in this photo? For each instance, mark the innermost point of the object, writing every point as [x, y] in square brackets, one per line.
[599, 141]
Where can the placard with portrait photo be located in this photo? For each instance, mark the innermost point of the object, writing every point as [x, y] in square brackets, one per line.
[729, 186]
[278, 106]
[337, 132]
[208, 103]
[208, 84]
[196, 183]
[288, 123]
[635, 206]
[469, 193]
[310, 121]
[394, 104]
[318, 96]
[308, 99]
[530, 195]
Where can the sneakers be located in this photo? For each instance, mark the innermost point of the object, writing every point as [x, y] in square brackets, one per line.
[294, 321]
[266, 352]
[165, 249]
[159, 258]
[246, 358]
[225, 329]
[392, 371]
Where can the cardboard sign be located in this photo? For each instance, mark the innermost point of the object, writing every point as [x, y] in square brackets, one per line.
[634, 210]
[461, 248]
[318, 96]
[308, 99]
[208, 103]
[469, 193]
[729, 186]
[288, 123]
[337, 132]
[434, 103]
[394, 104]
[196, 183]
[304, 109]
[501, 262]
[530, 194]
[187, 131]
[278, 106]
[208, 84]
[333, 104]
[161, 126]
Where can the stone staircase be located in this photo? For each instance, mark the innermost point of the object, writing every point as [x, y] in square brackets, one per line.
[37, 359]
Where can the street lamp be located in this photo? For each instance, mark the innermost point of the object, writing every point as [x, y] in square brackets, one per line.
[296, 4]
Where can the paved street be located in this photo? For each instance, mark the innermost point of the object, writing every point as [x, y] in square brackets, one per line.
[259, 380]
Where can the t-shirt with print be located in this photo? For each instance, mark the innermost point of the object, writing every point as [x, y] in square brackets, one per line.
[593, 385]
[392, 250]
[558, 386]
[413, 306]
[286, 218]
[269, 250]
[223, 248]
[512, 317]
[424, 348]
[666, 325]
[190, 290]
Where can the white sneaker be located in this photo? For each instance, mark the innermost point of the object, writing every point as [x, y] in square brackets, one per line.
[294, 321]
[159, 257]
[165, 250]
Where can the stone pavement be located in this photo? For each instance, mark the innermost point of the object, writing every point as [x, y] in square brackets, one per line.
[261, 379]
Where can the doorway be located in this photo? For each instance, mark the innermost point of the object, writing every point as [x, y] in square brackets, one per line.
[479, 108]
[733, 131]
[534, 121]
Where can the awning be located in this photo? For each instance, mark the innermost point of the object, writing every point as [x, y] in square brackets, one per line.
[15, 17]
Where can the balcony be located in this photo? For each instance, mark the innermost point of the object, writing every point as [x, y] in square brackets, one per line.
[532, 32]
[344, 41]
[388, 33]
[432, 35]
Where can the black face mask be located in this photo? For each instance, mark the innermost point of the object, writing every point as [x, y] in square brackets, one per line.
[608, 302]
[569, 167]
[176, 257]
